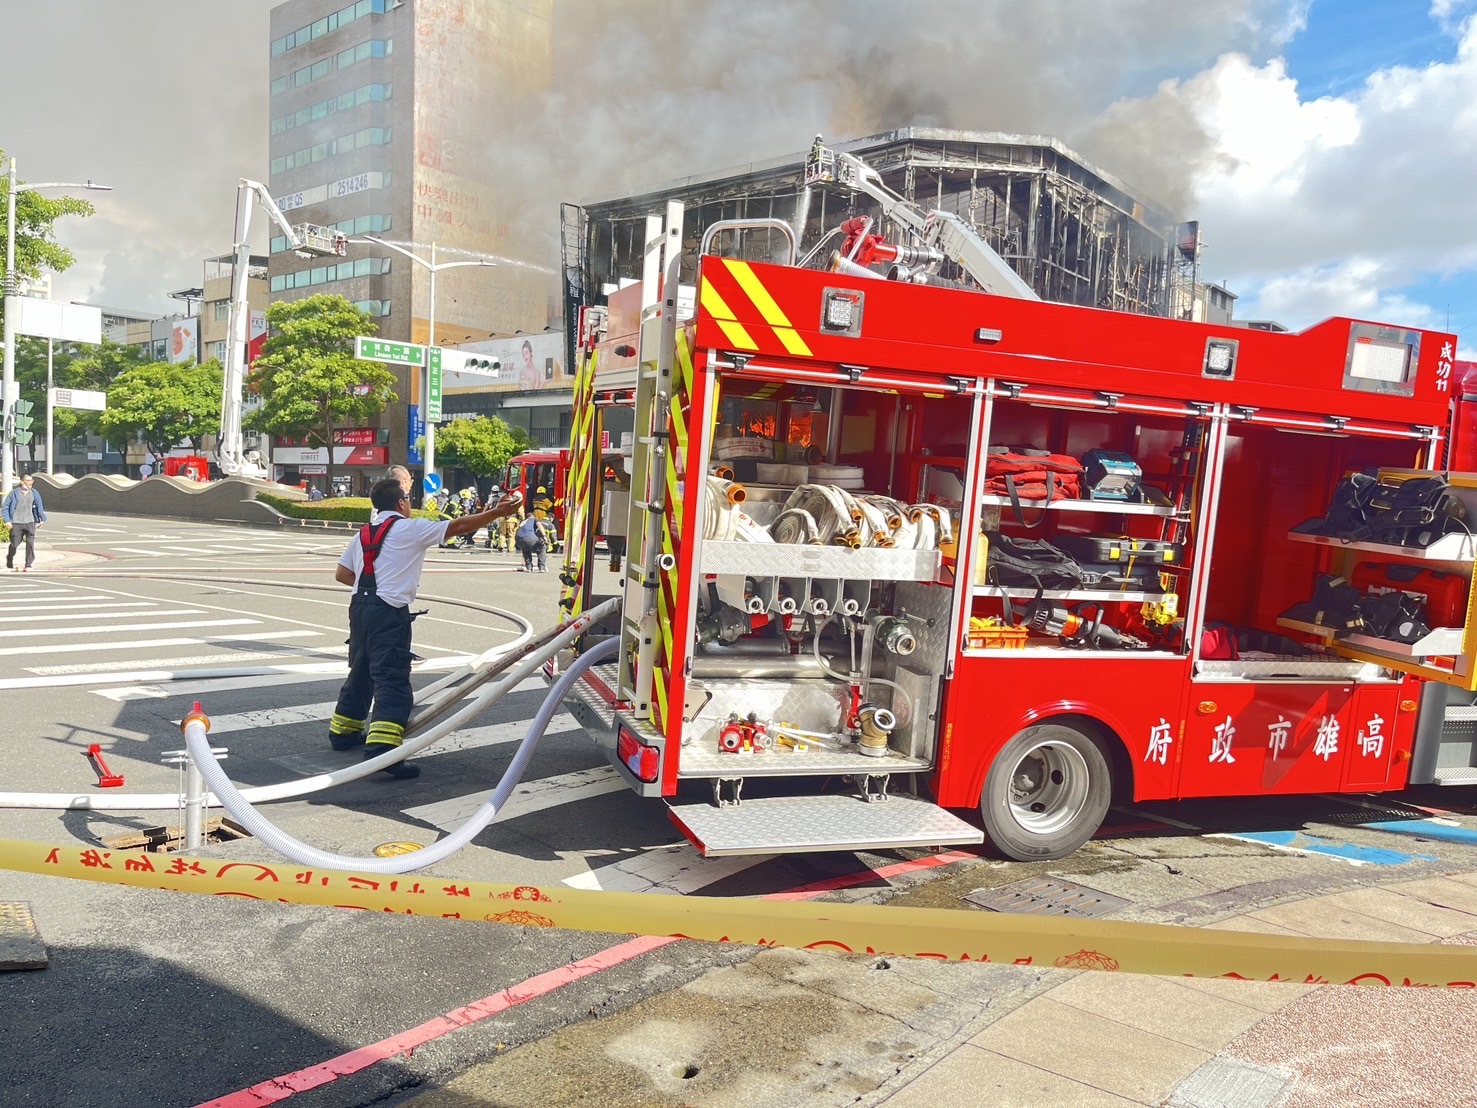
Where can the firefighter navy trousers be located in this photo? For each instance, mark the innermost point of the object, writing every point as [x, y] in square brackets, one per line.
[379, 667]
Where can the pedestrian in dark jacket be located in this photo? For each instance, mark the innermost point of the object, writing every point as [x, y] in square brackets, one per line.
[24, 512]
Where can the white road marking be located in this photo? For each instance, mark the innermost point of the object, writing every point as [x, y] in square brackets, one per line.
[222, 684]
[188, 661]
[8, 619]
[137, 644]
[72, 603]
[136, 550]
[528, 797]
[670, 869]
[121, 627]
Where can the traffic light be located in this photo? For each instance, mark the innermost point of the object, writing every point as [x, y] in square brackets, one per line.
[457, 362]
[21, 415]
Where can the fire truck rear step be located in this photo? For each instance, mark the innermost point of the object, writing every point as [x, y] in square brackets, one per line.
[809, 824]
[699, 762]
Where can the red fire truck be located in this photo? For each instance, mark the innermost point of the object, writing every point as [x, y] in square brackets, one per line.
[827, 641]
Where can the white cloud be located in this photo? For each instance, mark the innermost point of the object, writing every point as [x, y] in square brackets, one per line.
[1327, 206]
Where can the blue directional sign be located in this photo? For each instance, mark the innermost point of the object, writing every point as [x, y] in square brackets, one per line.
[432, 483]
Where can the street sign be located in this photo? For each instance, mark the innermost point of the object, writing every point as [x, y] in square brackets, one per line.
[433, 386]
[87, 399]
[382, 350]
[432, 483]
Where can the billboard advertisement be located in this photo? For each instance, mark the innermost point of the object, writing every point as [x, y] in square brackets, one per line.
[531, 363]
[257, 338]
[184, 342]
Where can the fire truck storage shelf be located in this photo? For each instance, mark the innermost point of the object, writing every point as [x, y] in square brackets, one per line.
[1128, 596]
[1441, 642]
[1106, 507]
[1448, 548]
[833, 562]
[806, 824]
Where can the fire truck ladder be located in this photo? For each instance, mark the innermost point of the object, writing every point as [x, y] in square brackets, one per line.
[656, 354]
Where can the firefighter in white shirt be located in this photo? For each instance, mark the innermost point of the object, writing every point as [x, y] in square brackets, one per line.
[383, 563]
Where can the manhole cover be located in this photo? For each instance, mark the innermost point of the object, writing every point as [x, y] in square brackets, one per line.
[20, 942]
[389, 850]
[1046, 896]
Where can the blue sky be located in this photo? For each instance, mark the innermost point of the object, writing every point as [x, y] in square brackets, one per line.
[1346, 41]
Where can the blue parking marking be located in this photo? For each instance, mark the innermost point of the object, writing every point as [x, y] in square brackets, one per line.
[1426, 829]
[1349, 852]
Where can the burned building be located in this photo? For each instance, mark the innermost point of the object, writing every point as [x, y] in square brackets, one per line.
[1073, 232]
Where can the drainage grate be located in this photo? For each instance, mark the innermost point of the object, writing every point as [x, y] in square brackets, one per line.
[169, 840]
[1046, 896]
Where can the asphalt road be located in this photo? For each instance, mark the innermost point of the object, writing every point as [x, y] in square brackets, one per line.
[162, 999]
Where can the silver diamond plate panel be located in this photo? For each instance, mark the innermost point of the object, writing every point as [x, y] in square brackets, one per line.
[702, 759]
[799, 824]
[808, 705]
[759, 559]
[1334, 669]
[929, 603]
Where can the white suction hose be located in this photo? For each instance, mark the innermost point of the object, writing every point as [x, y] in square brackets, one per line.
[197, 742]
[534, 655]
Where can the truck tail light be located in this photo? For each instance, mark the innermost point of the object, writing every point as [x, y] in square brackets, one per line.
[642, 760]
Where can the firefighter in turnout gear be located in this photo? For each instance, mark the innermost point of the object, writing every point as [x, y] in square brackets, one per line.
[383, 563]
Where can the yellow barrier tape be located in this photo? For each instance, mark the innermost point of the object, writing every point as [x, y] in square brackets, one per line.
[947, 934]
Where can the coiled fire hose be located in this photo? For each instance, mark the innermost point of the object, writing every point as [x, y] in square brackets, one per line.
[197, 742]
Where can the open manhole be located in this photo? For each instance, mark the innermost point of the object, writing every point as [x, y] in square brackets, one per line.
[170, 840]
[1046, 896]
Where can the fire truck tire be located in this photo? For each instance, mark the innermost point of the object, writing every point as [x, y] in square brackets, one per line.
[1046, 793]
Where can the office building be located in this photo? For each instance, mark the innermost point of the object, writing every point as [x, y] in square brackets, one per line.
[384, 122]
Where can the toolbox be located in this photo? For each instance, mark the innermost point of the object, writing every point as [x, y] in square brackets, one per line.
[1121, 550]
[1443, 595]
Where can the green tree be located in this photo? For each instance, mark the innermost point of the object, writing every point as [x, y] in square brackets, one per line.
[162, 405]
[483, 444]
[308, 378]
[73, 367]
[36, 248]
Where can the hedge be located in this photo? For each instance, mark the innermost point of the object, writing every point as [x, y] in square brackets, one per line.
[345, 509]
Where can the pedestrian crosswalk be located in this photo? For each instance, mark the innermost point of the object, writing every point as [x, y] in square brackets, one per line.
[77, 633]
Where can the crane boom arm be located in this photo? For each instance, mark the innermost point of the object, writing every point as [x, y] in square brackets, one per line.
[231, 453]
[942, 231]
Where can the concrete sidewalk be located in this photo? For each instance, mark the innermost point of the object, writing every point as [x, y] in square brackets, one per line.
[1110, 1039]
[789, 1028]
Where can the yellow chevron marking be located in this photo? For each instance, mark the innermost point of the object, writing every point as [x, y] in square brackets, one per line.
[772, 313]
[718, 308]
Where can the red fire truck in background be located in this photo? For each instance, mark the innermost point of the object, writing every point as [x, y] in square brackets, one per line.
[993, 561]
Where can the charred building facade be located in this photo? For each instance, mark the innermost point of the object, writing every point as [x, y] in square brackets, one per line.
[1075, 233]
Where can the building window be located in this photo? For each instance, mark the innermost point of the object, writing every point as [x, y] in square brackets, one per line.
[222, 310]
[360, 225]
[368, 136]
[373, 48]
[323, 275]
[317, 29]
[220, 352]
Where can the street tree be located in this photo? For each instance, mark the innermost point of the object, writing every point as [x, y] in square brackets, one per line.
[308, 378]
[483, 444]
[73, 367]
[36, 248]
[163, 405]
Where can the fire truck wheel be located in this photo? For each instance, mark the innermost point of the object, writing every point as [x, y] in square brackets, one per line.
[1046, 793]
